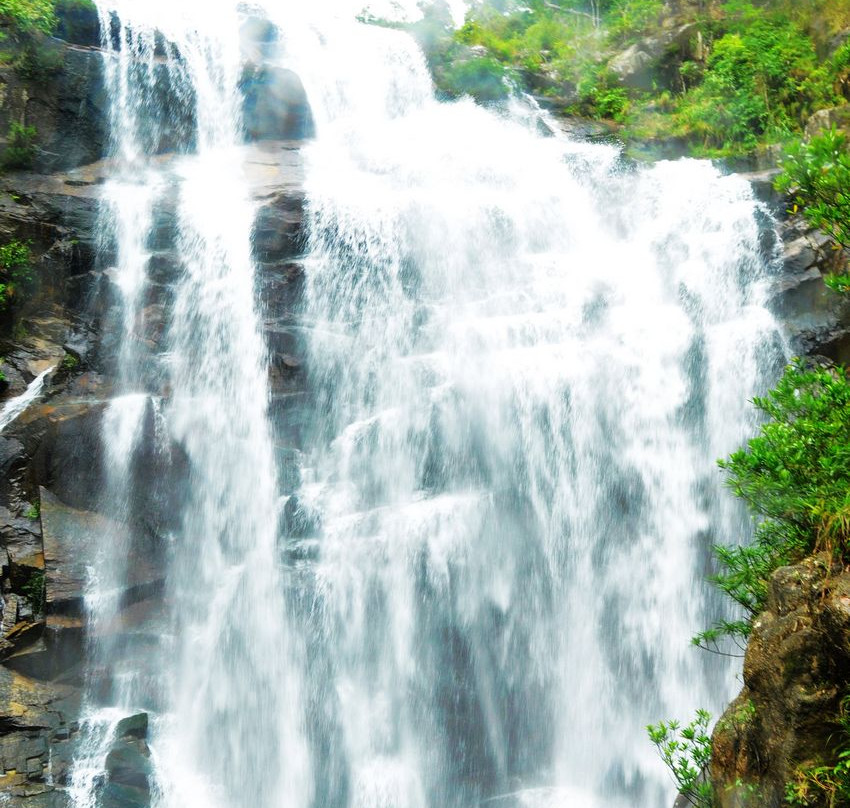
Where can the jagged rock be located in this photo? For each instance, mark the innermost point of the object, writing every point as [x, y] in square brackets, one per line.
[21, 537]
[796, 671]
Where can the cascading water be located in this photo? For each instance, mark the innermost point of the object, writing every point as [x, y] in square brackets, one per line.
[522, 359]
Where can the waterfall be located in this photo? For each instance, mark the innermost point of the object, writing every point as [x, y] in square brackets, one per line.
[18, 405]
[474, 577]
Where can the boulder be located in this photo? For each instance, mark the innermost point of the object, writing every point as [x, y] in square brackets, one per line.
[638, 65]
[78, 22]
[839, 117]
[274, 104]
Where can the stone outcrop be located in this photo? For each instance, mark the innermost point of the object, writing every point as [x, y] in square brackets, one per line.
[796, 672]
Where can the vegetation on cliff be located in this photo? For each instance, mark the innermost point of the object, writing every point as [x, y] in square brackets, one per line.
[722, 77]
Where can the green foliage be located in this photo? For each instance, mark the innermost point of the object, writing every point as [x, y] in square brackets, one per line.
[15, 271]
[20, 149]
[37, 61]
[34, 591]
[630, 18]
[34, 511]
[762, 79]
[482, 77]
[23, 17]
[70, 362]
[795, 478]
[754, 77]
[600, 96]
[826, 785]
[686, 751]
[817, 175]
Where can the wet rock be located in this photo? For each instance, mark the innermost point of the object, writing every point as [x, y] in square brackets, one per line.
[68, 108]
[278, 228]
[72, 539]
[69, 457]
[281, 288]
[78, 23]
[274, 105]
[128, 768]
[134, 726]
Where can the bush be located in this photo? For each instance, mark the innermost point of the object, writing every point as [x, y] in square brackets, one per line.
[795, 478]
[817, 175]
[34, 591]
[686, 751]
[629, 18]
[15, 271]
[20, 149]
[27, 16]
[762, 78]
[482, 77]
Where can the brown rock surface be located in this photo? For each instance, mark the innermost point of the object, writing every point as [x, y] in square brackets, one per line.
[796, 671]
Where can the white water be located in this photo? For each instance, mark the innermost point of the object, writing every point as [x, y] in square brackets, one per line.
[16, 406]
[522, 361]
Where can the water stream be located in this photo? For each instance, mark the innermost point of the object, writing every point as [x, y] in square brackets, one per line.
[522, 356]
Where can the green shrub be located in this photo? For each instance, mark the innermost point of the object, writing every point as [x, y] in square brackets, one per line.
[28, 16]
[686, 751]
[34, 591]
[20, 149]
[630, 18]
[482, 77]
[15, 271]
[762, 79]
[817, 175]
[795, 478]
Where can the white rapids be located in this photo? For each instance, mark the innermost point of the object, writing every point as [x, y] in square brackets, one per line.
[522, 359]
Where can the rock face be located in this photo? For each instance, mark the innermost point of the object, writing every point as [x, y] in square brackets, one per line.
[796, 671]
[817, 319]
[68, 108]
